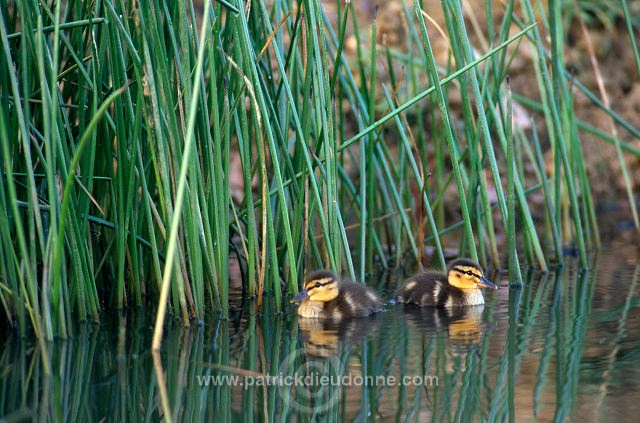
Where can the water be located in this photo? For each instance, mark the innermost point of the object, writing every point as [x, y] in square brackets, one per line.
[565, 346]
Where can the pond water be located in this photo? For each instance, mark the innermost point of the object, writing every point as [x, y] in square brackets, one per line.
[564, 346]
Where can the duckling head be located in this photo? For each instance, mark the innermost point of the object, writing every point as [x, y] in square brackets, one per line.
[321, 286]
[467, 274]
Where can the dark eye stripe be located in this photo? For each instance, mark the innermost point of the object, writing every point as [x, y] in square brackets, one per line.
[467, 272]
[319, 284]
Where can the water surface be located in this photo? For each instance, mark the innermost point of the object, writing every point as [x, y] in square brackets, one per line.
[564, 346]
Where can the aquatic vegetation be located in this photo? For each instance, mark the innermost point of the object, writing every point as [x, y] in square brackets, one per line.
[150, 148]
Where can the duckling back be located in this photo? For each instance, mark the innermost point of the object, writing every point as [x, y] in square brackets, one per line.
[354, 300]
[424, 289]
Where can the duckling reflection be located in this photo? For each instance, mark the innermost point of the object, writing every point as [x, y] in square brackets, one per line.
[464, 326]
[324, 337]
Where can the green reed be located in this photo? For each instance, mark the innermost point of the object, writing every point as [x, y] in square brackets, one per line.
[147, 147]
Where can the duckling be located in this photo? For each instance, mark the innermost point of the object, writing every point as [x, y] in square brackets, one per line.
[461, 286]
[326, 296]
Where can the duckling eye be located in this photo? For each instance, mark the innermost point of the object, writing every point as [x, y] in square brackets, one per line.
[469, 272]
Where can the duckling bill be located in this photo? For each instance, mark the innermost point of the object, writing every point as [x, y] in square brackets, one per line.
[461, 286]
[326, 296]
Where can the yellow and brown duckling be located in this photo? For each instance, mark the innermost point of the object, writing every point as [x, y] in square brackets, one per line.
[460, 286]
[326, 296]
